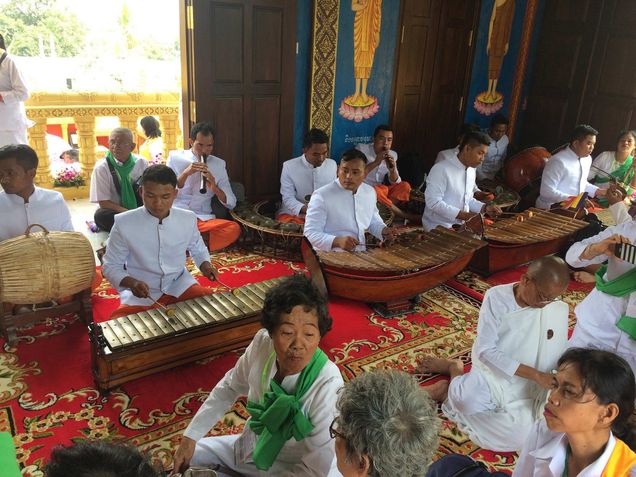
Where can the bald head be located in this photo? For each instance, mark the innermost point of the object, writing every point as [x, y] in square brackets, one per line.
[549, 272]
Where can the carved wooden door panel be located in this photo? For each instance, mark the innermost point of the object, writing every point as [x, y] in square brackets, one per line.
[238, 58]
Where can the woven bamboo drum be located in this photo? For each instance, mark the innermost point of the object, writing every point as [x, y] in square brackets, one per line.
[42, 266]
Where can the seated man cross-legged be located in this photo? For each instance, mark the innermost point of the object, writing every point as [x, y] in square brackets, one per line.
[303, 175]
[146, 251]
[521, 333]
[189, 167]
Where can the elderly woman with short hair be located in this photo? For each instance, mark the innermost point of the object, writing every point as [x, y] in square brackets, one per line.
[387, 426]
[291, 388]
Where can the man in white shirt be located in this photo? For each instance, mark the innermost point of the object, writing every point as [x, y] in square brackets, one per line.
[565, 174]
[450, 186]
[382, 171]
[493, 161]
[21, 202]
[13, 94]
[303, 175]
[521, 333]
[195, 167]
[454, 151]
[114, 179]
[341, 212]
[146, 251]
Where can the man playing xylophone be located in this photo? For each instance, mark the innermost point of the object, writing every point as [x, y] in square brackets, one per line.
[146, 252]
[450, 187]
[341, 212]
[521, 333]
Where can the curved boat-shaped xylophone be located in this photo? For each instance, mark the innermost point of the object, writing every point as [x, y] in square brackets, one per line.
[393, 275]
[522, 237]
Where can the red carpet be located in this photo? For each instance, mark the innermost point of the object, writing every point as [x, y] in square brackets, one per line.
[47, 395]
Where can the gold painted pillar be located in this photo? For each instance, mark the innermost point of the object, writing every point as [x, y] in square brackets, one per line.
[130, 122]
[87, 143]
[37, 140]
[169, 125]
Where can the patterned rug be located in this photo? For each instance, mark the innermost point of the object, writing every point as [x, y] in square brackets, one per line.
[47, 396]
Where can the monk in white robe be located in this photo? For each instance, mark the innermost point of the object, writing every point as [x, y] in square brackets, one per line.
[521, 333]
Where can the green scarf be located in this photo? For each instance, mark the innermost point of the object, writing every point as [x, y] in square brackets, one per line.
[620, 286]
[624, 174]
[278, 418]
[128, 199]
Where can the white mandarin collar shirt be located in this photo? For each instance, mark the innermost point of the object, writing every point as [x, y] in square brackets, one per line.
[543, 455]
[599, 330]
[377, 175]
[14, 93]
[564, 176]
[155, 253]
[189, 196]
[45, 207]
[299, 179]
[446, 153]
[334, 211]
[314, 454]
[450, 187]
[102, 185]
[493, 161]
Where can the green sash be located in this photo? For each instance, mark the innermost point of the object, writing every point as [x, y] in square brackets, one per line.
[624, 174]
[278, 418]
[128, 199]
[620, 286]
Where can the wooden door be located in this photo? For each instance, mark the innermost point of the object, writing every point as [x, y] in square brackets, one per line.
[239, 59]
[433, 73]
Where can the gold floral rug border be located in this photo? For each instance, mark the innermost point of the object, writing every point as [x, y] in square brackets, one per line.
[323, 63]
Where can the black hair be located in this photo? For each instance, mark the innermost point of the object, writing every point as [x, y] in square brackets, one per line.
[293, 291]
[499, 119]
[382, 127]
[159, 174]
[2, 43]
[612, 380]
[204, 128]
[581, 131]
[24, 155]
[352, 154]
[315, 136]
[98, 459]
[624, 132]
[473, 138]
[73, 153]
[150, 125]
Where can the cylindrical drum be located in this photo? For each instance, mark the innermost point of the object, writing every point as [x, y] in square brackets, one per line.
[43, 266]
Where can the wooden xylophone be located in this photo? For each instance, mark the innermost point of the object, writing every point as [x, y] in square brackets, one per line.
[143, 343]
[522, 237]
[393, 275]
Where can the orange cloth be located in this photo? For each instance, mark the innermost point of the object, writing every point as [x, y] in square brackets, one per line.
[621, 461]
[291, 219]
[221, 233]
[400, 192]
[194, 291]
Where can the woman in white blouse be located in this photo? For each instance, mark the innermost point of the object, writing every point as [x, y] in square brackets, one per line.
[588, 429]
[617, 164]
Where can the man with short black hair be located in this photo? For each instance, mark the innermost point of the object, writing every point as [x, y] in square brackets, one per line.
[493, 161]
[454, 151]
[450, 186]
[565, 174]
[303, 175]
[190, 166]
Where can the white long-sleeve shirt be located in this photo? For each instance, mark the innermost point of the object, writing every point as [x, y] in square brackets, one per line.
[493, 160]
[45, 207]
[299, 179]
[189, 196]
[565, 175]
[334, 211]
[312, 455]
[155, 253]
[450, 187]
[14, 93]
[377, 175]
[102, 185]
[598, 313]
[543, 455]
[446, 153]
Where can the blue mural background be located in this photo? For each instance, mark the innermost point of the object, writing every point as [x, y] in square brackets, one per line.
[479, 75]
[304, 12]
[346, 133]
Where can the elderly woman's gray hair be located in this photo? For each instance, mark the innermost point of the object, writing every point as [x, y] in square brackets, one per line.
[386, 415]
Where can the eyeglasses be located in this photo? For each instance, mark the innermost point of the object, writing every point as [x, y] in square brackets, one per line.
[542, 300]
[333, 433]
[567, 392]
[119, 143]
